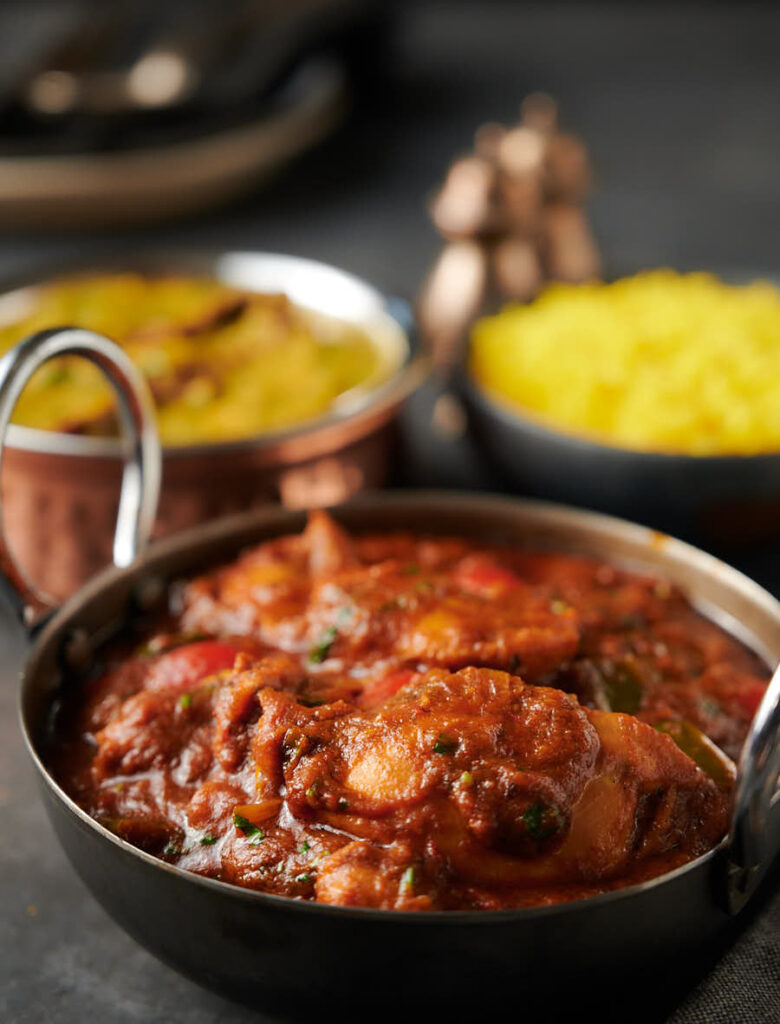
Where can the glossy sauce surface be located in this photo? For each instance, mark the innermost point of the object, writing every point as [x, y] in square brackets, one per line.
[415, 723]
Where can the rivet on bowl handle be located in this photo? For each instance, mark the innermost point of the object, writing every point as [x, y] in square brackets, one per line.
[755, 828]
[139, 443]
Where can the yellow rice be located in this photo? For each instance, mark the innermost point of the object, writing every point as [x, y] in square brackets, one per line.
[659, 361]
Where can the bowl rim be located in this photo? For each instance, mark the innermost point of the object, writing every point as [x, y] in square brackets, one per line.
[669, 549]
[377, 404]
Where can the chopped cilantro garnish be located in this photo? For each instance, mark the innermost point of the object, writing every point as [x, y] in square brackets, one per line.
[304, 847]
[343, 803]
[466, 779]
[541, 822]
[407, 880]
[245, 825]
[533, 820]
[321, 649]
[208, 840]
[411, 569]
[709, 706]
[172, 850]
[305, 877]
[636, 621]
[445, 745]
[184, 701]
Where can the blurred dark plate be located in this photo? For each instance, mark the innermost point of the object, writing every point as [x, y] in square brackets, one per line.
[176, 177]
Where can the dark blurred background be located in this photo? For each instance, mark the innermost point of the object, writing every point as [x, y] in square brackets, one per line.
[677, 103]
[322, 128]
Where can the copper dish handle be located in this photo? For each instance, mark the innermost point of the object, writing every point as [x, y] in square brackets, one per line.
[139, 444]
[755, 825]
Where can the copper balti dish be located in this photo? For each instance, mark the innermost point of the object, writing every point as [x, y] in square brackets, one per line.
[253, 945]
[60, 489]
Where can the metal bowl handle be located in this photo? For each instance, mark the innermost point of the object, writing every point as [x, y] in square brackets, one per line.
[139, 442]
[755, 823]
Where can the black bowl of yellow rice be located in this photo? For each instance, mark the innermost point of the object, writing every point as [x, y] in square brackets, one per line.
[654, 397]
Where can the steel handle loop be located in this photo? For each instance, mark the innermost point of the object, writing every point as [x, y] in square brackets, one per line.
[139, 442]
[755, 825]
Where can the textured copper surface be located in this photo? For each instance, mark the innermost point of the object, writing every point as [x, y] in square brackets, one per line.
[61, 491]
[61, 509]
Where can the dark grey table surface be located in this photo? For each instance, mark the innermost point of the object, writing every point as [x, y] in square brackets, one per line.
[680, 107]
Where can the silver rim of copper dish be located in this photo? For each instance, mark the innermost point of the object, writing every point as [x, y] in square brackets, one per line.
[316, 288]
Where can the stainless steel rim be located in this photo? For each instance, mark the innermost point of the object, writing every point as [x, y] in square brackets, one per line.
[661, 551]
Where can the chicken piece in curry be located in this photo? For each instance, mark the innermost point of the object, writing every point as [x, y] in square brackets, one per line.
[415, 723]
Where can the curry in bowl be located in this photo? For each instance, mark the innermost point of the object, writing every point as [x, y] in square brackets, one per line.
[415, 723]
[223, 363]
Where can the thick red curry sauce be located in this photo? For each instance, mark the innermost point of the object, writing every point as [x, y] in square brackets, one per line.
[416, 723]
